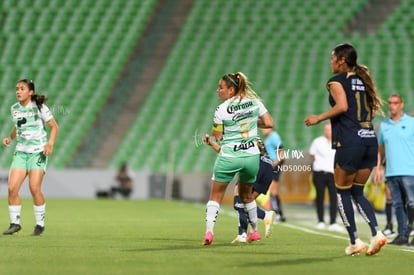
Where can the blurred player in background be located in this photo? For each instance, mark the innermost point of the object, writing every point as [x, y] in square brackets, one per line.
[235, 128]
[322, 156]
[261, 185]
[29, 115]
[274, 147]
[354, 102]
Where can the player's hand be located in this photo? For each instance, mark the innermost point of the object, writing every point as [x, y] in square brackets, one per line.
[207, 139]
[48, 149]
[7, 141]
[312, 120]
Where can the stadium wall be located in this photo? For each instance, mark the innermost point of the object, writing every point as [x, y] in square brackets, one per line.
[86, 183]
[79, 183]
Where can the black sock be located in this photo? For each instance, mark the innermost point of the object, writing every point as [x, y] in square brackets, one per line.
[346, 211]
[279, 203]
[388, 212]
[273, 204]
[239, 207]
[261, 213]
[365, 208]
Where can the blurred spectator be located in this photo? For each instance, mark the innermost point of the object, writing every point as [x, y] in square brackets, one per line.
[322, 156]
[396, 145]
[124, 187]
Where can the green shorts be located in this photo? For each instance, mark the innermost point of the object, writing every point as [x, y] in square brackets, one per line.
[226, 168]
[29, 161]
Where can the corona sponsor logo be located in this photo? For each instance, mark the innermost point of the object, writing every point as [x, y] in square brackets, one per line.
[234, 108]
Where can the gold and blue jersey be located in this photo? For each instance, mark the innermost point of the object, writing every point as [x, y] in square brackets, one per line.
[353, 127]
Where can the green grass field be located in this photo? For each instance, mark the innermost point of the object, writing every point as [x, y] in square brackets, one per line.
[164, 237]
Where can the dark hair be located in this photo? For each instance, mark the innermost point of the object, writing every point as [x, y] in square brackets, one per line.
[39, 99]
[348, 52]
[124, 165]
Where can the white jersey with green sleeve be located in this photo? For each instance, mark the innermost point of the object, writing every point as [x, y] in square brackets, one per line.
[31, 135]
[239, 120]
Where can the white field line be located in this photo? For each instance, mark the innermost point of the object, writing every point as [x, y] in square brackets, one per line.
[306, 229]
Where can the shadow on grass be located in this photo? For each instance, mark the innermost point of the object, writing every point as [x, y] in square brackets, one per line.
[171, 244]
[291, 262]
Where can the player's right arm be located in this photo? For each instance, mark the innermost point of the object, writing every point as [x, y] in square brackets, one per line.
[341, 105]
[8, 140]
[218, 127]
[207, 140]
[217, 132]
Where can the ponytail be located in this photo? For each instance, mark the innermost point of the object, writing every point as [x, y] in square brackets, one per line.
[374, 101]
[348, 52]
[241, 84]
[39, 99]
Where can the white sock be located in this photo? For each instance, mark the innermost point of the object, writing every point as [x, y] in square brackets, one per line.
[14, 212]
[212, 210]
[251, 210]
[39, 212]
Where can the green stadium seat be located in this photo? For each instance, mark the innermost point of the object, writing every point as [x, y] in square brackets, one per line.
[289, 63]
[57, 43]
[284, 47]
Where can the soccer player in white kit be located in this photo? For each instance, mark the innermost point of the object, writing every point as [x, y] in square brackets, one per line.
[29, 116]
[235, 127]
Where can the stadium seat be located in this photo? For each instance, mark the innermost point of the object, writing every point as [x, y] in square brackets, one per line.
[60, 45]
[289, 65]
[283, 46]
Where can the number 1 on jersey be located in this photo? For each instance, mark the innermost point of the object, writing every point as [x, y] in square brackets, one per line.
[367, 109]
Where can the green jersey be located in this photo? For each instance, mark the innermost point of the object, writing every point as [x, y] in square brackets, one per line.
[30, 122]
[239, 120]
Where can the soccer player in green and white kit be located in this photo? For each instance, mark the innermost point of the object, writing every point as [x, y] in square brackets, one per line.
[29, 116]
[235, 127]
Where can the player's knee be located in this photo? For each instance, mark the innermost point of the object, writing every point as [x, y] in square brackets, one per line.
[35, 191]
[13, 192]
[246, 198]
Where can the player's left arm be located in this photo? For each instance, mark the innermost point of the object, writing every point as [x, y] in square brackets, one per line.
[48, 148]
[265, 120]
